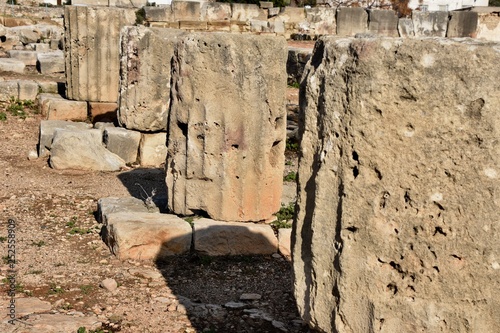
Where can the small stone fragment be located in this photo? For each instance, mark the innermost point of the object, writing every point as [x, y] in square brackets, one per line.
[109, 284]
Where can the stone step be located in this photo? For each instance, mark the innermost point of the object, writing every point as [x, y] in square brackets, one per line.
[12, 65]
[47, 130]
[55, 107]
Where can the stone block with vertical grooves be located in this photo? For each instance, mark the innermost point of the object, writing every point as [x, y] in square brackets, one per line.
[145, 77]
[399, 187]
[92, 45]
[227, 126]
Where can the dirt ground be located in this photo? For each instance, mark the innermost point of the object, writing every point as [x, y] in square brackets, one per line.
[60, 257]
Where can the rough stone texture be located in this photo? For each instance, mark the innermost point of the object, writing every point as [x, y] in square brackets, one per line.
[21, 89]
[405, 27]
[51, 62]
[50, 87]
[186, 10]
[92, 47]
[82, 150]
[429, 24]
[106, 206]
[226, 141]
[245, 12]
[122, 142]
[284, 242]
[462, 24]
[297, 60]
[28, 90]
[216, 11]
[25, 306]
[159, 14]
[488, 27]
[47, 129]
[146, 236]
[54, 107]
[145, 77]
[383, 23]
[216, 238]
[397, 227]
[153, 149]
[27, 57]
[351, 21]
[293, 14]
[322, 20]
[11, 65]
[100, 112]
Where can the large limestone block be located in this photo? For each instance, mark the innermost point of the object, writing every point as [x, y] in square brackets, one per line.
[227, 126]
[405, 27]
[429, 24]
[145, 77]
[488, 27]
[153, 149]
[216, 238]
[284, 242]
[243, 12]
[92, 51]
[27, 57]
[122, 142]
[383, 23]
[51, 62]
[11, 65]
[216, 11]
[159, 14]
[293, 14]
[82, 150]
[351, 21]
[322, 20]
[462, 24]
[18, 89]
[8, 90]
[146, 236]
[186, 10]
[399, 188]
[106, 206]
[28, 90]
[55, 107]
[48, 128]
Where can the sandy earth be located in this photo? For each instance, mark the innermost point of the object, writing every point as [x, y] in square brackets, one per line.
[61, 259]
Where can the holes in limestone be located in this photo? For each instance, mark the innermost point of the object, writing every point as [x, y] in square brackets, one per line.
[355, 156]
[3, 39]
[352, 229]
[392, 288]
[235, 146]
[384, 200]
[278, 122]
[183, 127]
[396, 231]
[439, 230]
[411, 288]
[378, 173]
[474, 109]
[355, 169]
[275, 143]
[275, 153]
[200, 137]
[456, 256]
[432, 251]
[355, 172]
[436, 268]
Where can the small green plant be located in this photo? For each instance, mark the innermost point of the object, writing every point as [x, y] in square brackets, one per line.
[79, 231]
[72, 222]
[17, 107]
[294, 85]
[35, 272]
[284, 215]
[3, 239]
[292, 146]
[19, 288]
[55, 290]
[86, 289]
[140, 16]
[3, 116]
[28, 293]
[84, 330]
[290, 177]
[39, 243]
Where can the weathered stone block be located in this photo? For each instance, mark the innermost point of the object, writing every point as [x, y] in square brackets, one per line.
[351, 21]
[12, 65]
[145, 77]
[51, 62]
[122, 142]
[228, 138]
[159, 14]
[40, 47]
[8, 90]
[28, 90]
[47, 130]
[82, 150]
[146, 236]
[18, 89]
[219, 26]
[215, 238]
[399, 187]
[245, 12]
[106, 206]
[488, 27]
[27, 57]
[103, 111]
[429, 24]
[186, 10]
[54, 107]
[92, 45]
[284, 242]
[322, 20]
[153, 149]
[405, 27]
[462, 24]
[50, 87]
[193, 25]
[293, 14]
[383, 22]
[296, 62]
[217, 11]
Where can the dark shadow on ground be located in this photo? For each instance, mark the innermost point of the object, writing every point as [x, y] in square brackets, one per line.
[141, 183]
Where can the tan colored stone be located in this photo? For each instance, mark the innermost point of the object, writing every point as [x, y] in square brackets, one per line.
[284, 242]
[92, 48]
[153, 149]
[54, 107]
[193, 25]
[216, 238]
[146, 236]
[186, 10]
[399, 187]
[226, 141]
[103, 112]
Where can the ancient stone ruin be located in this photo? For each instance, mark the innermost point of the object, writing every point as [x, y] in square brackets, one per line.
[398, 187]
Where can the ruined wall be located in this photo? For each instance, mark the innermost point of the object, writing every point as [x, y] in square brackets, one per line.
[227, 126]
[489, 26]
[399, 188]
[92, 48]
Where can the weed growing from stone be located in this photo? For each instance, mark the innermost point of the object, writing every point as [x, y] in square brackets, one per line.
[39, 243]
[284, 215]
[3, 116]
[17, 107]
[55, 290]
[79, 231]
[86, 289]
[292, 146]
[3, 239]
[290, 177]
